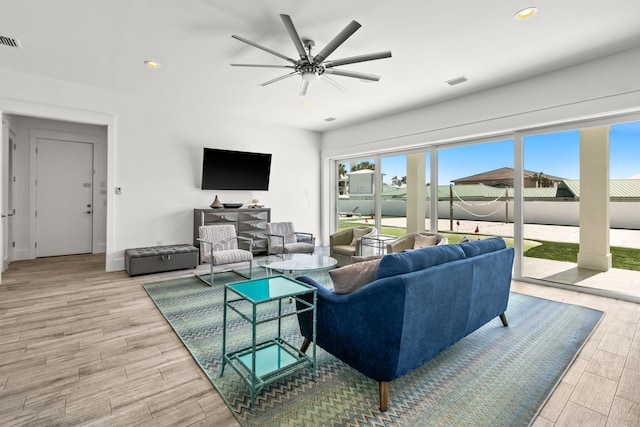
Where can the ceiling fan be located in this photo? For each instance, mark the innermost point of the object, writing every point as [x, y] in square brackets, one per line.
[310, 67]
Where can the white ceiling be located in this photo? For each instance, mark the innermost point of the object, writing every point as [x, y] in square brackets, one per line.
[104, 43]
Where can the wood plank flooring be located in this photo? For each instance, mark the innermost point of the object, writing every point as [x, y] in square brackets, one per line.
[79, 346]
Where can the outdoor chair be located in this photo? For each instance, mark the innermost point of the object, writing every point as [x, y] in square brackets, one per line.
[415, 240]
[283, 239]
[347, 243]
[219, 246]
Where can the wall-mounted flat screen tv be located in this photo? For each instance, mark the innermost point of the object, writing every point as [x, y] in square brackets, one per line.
[235, 170]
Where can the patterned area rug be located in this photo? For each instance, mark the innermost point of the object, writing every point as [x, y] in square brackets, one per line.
[496, 376]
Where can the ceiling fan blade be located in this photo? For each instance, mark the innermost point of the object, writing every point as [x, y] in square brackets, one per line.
[353, 74]
[266, 49]
[278, 79]
[359, 58]
[291, 29]
[347, 32]
[334, 83]
[304, 87]
[262, 65]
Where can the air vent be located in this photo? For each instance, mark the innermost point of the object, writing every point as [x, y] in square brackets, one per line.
[10, 42]
[456, 81]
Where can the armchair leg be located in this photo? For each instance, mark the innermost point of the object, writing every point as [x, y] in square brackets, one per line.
[503, 317]
[384, 395]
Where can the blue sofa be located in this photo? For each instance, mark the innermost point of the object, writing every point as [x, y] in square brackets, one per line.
[421, 302]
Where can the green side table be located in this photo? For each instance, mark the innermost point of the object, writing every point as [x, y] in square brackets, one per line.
[267, 361]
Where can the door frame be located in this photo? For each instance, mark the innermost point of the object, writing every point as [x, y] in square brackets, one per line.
[34, 135]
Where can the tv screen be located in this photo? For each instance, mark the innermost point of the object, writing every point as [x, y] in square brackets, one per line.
[235, 170]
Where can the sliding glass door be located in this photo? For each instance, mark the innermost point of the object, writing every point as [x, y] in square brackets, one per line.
[475, 190]
[551, 205]
[357, 188]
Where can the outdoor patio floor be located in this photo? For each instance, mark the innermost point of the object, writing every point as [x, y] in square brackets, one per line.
[622, 282]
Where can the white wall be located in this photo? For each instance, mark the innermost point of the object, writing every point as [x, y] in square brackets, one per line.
[591, 90]
[622, 214]
[154, 154]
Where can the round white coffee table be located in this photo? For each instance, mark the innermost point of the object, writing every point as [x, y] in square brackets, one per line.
[288, 263]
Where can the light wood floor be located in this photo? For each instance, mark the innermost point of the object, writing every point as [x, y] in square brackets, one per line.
[79, 346]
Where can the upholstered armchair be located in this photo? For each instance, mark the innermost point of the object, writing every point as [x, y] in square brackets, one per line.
[415, 241]
[347, 243]
[283, 239]
[219, 246]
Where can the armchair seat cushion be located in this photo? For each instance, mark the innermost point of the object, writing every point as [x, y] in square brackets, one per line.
[230, 256]
[347, 250]
[294, 248]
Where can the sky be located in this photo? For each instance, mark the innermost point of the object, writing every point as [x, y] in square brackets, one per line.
[555, 154]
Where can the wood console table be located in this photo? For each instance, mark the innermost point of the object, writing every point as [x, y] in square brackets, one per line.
[249, 222]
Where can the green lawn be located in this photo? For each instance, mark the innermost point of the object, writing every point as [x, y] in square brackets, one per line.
[623, 258]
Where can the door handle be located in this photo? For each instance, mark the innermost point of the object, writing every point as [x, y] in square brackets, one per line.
[88, 212]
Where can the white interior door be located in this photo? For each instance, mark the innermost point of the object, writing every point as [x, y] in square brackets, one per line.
[64, 197]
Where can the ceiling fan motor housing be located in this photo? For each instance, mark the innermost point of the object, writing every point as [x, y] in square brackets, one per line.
[309, 71]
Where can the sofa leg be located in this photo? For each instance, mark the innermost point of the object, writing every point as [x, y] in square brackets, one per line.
[503, 317]
[305, 345]
[384, 395]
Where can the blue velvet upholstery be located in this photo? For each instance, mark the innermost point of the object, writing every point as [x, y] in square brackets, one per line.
[418, 259]
[477, 247]
[422, 302]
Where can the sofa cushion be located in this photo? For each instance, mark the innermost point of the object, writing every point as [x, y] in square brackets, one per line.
[478, 247]
[358, 233]
[352, 277]
[422, 241]
[409, 261]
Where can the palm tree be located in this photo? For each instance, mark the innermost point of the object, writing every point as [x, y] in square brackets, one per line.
[541, 180]
[363, 165]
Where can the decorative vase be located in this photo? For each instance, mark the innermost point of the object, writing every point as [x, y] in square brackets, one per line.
[216, 203]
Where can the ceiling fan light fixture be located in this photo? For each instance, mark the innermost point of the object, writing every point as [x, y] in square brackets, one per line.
[525, 13]
[309, 76]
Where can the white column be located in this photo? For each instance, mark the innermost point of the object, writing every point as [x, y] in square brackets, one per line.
[416, 204]
[594, 252]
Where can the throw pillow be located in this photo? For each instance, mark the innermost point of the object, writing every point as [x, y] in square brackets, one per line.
[423, 241]
[358, 233]
[352, 277]
[356, 258]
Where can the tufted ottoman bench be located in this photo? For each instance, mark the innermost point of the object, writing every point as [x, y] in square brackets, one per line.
[156, 259]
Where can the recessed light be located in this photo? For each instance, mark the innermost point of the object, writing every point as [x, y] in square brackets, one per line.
[304, 104]
[457, 81]
[152, 64]
[525, 13]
